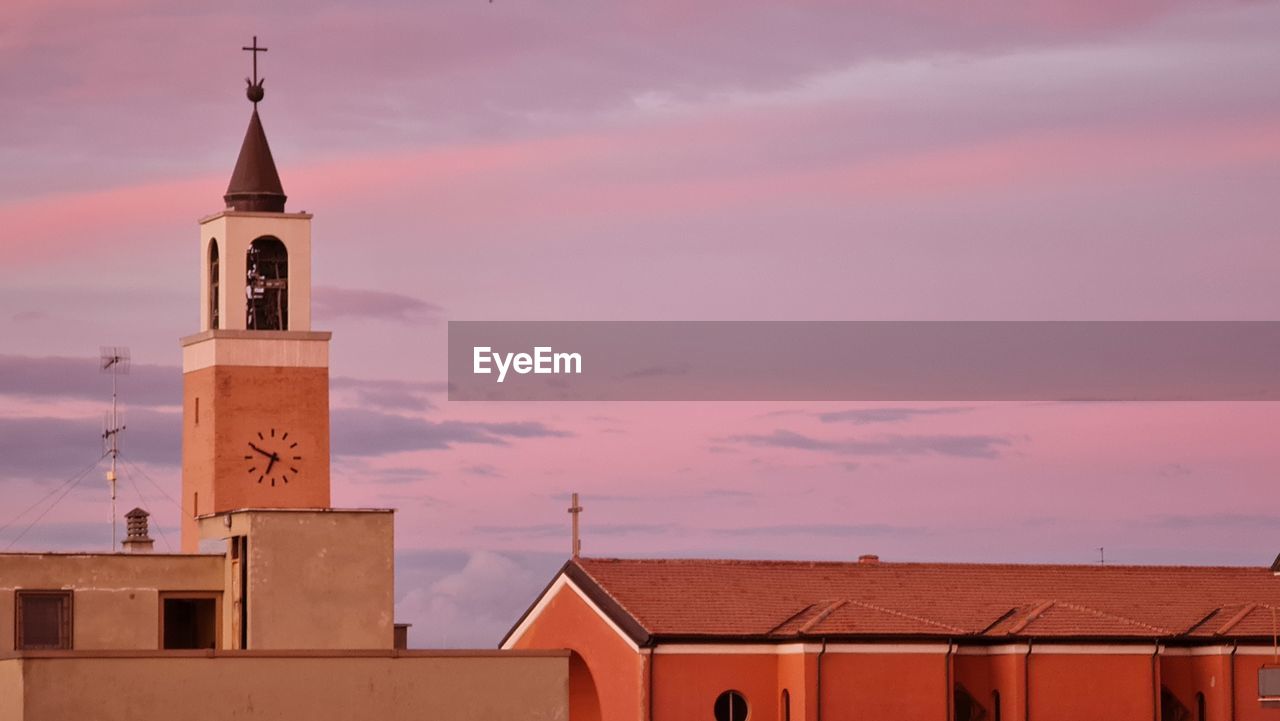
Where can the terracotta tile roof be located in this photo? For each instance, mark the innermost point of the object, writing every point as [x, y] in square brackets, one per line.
[781, 600]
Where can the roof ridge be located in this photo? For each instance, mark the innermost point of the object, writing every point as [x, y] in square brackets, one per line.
[899, 564]
[792, 617]
[1113, 616]
[822, 615]
[1035, 612]
[909, 616]
[1243, 613]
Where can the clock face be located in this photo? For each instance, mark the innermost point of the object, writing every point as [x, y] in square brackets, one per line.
[273, 458]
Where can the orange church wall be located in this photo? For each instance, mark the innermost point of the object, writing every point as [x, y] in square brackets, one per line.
[796, 677]
[1072, 686]
[1187, 675]
[685, 686]
[899, 686]
[1246, 666]
[990, 670]
[613, 667]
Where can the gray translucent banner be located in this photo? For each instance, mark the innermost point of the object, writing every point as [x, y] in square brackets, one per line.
[864, 360]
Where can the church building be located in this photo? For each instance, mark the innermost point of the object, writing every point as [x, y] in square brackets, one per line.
[279, 605]
[721, 640]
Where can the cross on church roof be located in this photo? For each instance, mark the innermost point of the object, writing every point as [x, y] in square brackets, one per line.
[254, 91]
[574, 510]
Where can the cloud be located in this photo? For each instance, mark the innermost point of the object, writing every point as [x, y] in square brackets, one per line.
[359, 432]
[29, 316]
[551, 530]
[820, 529]
[659, 371]
[482, 469]
[328, 302]
[43, 448]
[864, 416]
[388, 394]
[964, 446]
[81, 379]
[1257, 521]
[472, 599]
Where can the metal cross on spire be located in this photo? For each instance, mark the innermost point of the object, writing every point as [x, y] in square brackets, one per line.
[254, 91]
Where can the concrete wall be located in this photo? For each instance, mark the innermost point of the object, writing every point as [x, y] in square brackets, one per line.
[115, 600]
[478, 686]
[316, 579]
[10, 691]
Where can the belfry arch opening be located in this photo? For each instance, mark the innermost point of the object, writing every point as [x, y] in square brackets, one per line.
[214, 278]
[267, 285]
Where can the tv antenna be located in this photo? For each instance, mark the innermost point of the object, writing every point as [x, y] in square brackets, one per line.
[115, 360]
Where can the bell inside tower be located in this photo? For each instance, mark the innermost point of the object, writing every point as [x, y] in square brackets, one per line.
[267, 285]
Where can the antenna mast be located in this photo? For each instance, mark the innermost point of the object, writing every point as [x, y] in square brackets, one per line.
[115, 360]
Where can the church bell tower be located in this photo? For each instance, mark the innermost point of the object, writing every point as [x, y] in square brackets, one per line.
[255, 432]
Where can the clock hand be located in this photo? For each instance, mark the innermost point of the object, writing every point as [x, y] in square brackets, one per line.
[259, 450]
[273, 458]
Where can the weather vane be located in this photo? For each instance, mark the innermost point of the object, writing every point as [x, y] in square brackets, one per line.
[254, 90]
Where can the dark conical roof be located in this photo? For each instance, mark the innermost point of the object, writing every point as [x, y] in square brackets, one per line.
[255, 184]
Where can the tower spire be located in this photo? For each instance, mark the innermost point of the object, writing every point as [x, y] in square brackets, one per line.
[255, 183]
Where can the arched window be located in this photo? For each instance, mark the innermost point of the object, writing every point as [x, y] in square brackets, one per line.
[213, 283]
[995, 706]
[786, 705]
[730, 706]
[267, 285]
[1200, 710]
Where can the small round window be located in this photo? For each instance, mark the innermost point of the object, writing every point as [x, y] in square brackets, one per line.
[731, 706]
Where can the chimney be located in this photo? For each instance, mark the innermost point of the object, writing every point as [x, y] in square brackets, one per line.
[868, 558]
[136, 539]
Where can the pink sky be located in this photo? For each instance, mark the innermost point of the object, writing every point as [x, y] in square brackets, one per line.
[718, 160]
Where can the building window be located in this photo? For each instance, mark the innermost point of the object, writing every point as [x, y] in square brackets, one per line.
[786, 705]
[731, 706]
[213, 283]
[267, 285]
[189, 620]
[1200, 709]
[995, 706]
[43, 620]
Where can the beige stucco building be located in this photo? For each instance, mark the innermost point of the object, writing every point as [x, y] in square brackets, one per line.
[279, 606]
